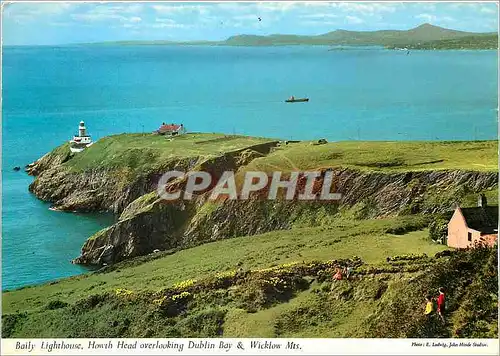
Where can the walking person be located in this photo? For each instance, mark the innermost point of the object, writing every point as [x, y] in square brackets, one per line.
[348, 272]
[338, 275]
[429, 328]
[429, 306]
[441, 304]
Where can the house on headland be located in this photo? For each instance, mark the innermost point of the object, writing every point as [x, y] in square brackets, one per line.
[171, 129]
[473, 226]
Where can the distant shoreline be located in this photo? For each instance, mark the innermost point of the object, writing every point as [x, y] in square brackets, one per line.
[423, 37]
[331, 48]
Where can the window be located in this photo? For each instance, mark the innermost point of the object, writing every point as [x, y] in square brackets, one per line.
[469, 236]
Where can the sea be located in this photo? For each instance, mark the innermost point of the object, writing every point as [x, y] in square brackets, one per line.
[355, 94]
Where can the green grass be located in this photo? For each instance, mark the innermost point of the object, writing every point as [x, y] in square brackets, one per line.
[383, 156]
[141, 152]
[315, 311]
[366, 239]
[386, 306]
[307, 315]
[136, 152]
[298, 300]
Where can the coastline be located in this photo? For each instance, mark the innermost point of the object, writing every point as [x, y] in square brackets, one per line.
[301, 173]
[425, 36]
[107, 192]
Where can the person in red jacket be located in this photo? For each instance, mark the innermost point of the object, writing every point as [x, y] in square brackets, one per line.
[441, 304]
[338, 276]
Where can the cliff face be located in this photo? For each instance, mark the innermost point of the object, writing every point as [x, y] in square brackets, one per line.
[154, 224]
[147, 223]
[96, 190]
[114, 189]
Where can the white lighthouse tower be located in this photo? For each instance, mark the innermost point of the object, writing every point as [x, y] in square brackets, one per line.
[82, 130]
[82, 141]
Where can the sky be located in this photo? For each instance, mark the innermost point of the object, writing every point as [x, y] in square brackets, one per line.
[50, 23]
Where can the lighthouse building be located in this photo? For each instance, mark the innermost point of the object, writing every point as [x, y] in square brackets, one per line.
[82, 140]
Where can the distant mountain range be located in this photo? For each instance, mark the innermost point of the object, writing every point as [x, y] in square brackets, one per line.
[420, 36]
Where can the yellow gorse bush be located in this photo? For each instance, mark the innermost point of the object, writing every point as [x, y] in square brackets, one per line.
[228, 274]
[185, 284]
[277, 268]
[180, 296]
[177, 297]
[275, 282]
[121, 292]
[160, 301]
[291, 264]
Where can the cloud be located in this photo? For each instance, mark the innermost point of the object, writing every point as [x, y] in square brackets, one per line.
[484, 8]
[429, 18]
[248, 17]
[354, 13]
[216, 19]
[26, 12]
[317, 23]
[129, 8]
[124, 14]
[168, 23]
[320, 16]
[489, 10]
[353, 20]
[426, 17]
[179, 9]
[427, 7]
[368, 8]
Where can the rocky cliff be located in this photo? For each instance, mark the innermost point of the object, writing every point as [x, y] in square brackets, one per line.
[112, 189]
[146, 223]
[150, 223]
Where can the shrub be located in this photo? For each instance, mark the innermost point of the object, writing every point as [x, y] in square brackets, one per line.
[260, 291]
[123, 292]
[471, 283]
[184, 284]
[205, 323]
[10, 322]
[91, 302]
[438, 230]
[56, 304]
[174, 304]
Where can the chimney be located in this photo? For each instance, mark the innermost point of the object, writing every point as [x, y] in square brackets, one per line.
[481, 201]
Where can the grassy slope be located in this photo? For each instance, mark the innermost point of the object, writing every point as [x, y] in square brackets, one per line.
[143, 151]
[290, 301]
[383, 156]
[313, 312]
[367, 239]
[140, 152]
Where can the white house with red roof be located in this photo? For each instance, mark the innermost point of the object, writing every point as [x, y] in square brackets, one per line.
[171, 129]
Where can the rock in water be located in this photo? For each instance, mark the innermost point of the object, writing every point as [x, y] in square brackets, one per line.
[17, 168]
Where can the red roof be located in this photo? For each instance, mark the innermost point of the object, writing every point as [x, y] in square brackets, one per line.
[172, 127]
